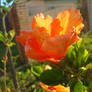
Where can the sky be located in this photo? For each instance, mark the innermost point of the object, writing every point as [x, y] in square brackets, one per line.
[1, 1]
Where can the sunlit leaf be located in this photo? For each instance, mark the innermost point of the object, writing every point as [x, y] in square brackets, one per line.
[77, 55]
[12, 34]
[89, 66]
[85, 56]
[78, 86]
[7, 9]
[2, 38]
[37, 70]
[85, 89]
[11, 44]
[69, 51]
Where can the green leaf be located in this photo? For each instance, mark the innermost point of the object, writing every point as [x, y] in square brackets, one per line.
[51, 77]
[37, 70]
[77, 55]
[89, 66]
[79, 43]
[89, 60]
[78, 86]
[2, 38]
[70, 51]
[90, 85]
[10, 44]
[85, 56]
[71, 83]
[7, 9]
[85, 89]
[12, 34]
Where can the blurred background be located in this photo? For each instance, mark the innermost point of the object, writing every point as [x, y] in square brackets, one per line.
[26, 9]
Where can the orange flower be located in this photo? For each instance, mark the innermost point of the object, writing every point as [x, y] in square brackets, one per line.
[58, 88]
[8, 90]
[50, 38]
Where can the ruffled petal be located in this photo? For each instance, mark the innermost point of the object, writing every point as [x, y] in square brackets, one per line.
[34, 54]
[32, 49]
[41, 21]
[69, 19]
[41, 34]
[44, 86]
[56, 28]
[56, 47]
[73, 37]
[32, 42]
[58, 88]
[24, 35]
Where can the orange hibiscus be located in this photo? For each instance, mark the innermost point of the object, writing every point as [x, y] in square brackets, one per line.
[50, 38]
[58, 88]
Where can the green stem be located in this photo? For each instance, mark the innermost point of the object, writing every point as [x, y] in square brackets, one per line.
[5, 86]
[5, 75]
[4, 26]
[10, 61]
[12, 69]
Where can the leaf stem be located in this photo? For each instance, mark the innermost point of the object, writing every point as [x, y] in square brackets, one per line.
[4, 26]
[5, 86]
[10, 61]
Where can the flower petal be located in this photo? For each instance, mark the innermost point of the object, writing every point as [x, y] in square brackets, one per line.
[44, 86]
[32, 49]
[60, 88]
[34, 54]
[41, 34]
[57, 88]
[24, 35]
[69, 19]
[41, 21]
[55, 27]
[56, 47]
